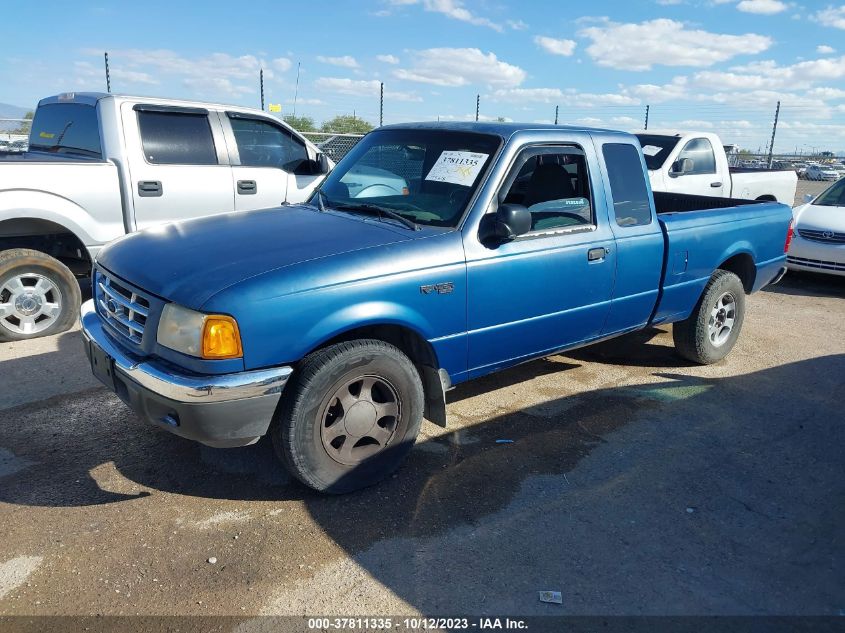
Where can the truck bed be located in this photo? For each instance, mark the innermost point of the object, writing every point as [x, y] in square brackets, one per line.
[665, 202]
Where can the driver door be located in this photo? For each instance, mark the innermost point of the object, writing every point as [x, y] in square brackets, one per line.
[271, 166]
[701, 177]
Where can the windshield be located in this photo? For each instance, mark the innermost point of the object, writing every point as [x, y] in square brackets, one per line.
[426, 176]
[69, 128]
[833, 197]
[656, 148]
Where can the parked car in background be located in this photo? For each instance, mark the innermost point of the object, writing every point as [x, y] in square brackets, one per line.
[800, 169]
[695, 163]
[19, 146]
[821, 172]
[344, 321]
[5, 146]
[102, 165]
[818, 244]
[839, 168]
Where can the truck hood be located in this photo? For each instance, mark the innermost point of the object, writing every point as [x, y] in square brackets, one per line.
[819, 218]
[189, 262]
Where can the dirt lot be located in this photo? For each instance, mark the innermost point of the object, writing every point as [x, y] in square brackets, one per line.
[635, 484]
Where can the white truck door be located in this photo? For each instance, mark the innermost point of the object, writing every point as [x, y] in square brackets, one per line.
[270, 164]
[694, 171]
[178, 163]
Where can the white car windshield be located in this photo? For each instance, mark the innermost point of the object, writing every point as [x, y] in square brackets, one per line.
[426, 176]
[833, 197]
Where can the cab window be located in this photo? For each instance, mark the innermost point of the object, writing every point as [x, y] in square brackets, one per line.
[262, 144]
[700, 152]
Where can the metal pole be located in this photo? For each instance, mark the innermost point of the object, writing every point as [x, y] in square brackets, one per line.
[381, 106]
[556, 111]
[296, 91]
[261, 82]
[646, 116]
[477, 106]
[774, 130]
[108, 77]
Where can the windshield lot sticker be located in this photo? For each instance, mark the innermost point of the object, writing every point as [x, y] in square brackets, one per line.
[459, 168]
[652, 150]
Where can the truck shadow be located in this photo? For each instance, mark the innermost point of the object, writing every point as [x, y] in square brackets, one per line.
[809, 285]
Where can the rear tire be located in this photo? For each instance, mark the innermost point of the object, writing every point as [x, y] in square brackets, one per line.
[710, 332]
[39, 295]
[349, 416]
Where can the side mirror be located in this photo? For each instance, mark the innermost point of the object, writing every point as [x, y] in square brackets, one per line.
[322, 163]
[509, 221]
[808, 197]
[681, 167]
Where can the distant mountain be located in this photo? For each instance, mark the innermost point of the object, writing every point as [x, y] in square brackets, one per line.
[8, 111]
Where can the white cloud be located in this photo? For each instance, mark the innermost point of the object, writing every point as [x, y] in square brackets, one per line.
[562, 97]
[282, 64]
[667, 43]
[454, 9]
[555, 46]
[347, 61]
[762, 7]
[824, 49]
[461, 67]
[388, 59]
[831, 16]
[517, 25]
[361, 88]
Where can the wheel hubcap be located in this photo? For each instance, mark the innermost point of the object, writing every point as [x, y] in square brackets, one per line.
[722, 319]
[29, 303]
[359, 419]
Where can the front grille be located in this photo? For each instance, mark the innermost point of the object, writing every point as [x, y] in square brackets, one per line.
[816, 263]
[124, 309]
[829, 237]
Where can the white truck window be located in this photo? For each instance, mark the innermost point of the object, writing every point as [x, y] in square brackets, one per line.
[262, 144]
[171, 138]
[700, 152]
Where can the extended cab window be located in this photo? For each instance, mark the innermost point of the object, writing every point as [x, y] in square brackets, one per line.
[66, 128]
[262, 144]
[176, 138]
[627, 184]
[700, 152]
[553, 183]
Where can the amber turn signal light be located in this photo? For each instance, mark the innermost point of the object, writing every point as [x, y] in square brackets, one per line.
[221, 338]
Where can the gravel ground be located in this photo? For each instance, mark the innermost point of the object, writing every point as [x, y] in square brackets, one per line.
[635, 484]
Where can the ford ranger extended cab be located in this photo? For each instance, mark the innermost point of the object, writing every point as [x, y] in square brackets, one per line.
[337, 325]
[696, 163]
[102, 165]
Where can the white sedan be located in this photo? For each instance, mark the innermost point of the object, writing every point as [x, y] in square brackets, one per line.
[821, 172]
[818, 243]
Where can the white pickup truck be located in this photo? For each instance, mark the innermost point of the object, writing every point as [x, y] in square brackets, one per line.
[103, 165]
[696, 163]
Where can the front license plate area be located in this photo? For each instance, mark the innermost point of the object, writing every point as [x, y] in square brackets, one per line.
[102, 366]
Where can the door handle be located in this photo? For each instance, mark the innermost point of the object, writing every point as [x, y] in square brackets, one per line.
[715, 184]
[150, 189]
[597, 254]
[247, 187]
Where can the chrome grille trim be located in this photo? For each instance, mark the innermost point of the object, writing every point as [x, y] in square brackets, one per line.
[819, 236]
[125, 310]
[816, 263]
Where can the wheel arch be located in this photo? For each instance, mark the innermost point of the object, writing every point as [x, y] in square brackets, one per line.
[48, 237]
[766, 198]
[742, 265]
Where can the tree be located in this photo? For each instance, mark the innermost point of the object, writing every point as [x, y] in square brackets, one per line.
[24, 129]
[346, 124]
[301, 123]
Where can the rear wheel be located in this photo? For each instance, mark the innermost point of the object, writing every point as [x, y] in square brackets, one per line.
[710, 332]
[39, 295]
[350, 416]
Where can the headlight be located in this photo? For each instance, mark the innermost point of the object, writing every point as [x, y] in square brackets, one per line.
[210, 336]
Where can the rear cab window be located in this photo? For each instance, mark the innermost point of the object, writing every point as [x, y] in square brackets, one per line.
[176, 138]
[66, 128]
[631, 205]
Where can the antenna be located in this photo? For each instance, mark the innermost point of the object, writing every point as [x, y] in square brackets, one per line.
[108, 77]
[296, 90]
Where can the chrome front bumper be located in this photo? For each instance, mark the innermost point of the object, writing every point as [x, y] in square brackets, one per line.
[218, 410]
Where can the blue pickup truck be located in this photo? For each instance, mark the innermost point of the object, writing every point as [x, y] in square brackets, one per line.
[337, 325]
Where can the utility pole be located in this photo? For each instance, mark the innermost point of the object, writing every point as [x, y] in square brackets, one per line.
[108, 77]
[646, 116]
[296, 90]
[381, 106]
[261, 82]
[774, 130]
[556, 111]
[477, 106]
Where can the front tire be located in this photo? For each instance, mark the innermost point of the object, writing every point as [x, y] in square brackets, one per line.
[349, 416]
[39, 295]
[710, 332]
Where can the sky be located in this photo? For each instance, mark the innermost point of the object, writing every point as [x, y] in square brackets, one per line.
[712, 65]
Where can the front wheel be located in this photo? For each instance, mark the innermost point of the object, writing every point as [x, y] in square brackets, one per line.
[349, 416]
[710, 332]
[38, 295]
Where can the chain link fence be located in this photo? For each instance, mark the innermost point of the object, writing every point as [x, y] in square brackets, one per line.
[333, 145]
[796, 162]
[14, 135]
